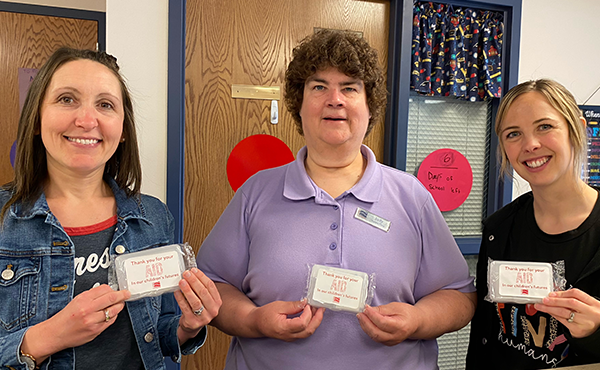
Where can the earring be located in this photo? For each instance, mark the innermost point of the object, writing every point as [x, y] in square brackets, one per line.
[122, 140]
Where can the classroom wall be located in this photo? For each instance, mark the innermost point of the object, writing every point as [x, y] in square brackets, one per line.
[137, 34]
[559, 40]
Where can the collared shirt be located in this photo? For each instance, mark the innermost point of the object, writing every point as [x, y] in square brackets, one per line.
[37, 249]
[280, 222]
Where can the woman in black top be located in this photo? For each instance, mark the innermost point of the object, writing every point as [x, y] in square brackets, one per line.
[543, 138]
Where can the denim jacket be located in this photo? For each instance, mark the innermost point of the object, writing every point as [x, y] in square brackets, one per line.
[40, 254]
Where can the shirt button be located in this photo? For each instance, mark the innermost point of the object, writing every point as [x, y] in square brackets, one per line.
[491, 238]
[336, 208]
[333, 226]
[484, 341]
[8, 274]
[120, 249]
[148, 337]
[332, 246]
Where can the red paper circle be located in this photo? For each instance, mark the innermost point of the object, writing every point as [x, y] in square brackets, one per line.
[447, 174]
[253, 154]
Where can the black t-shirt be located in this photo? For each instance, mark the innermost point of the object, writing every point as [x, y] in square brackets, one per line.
[115, 348]
[532, 339]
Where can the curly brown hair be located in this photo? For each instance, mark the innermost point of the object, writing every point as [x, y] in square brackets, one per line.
[346, 51]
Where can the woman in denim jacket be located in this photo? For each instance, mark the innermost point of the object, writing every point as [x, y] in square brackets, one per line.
[74, 202]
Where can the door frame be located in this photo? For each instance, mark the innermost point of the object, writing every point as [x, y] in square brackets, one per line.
[176, 114]
[51, 11]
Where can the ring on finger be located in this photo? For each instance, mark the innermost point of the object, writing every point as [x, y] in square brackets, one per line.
[199, 311]
[571, 317]
[106, 315]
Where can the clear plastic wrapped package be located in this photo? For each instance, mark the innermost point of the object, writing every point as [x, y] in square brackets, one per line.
[151, 272]
[523, 282]
[339, 289]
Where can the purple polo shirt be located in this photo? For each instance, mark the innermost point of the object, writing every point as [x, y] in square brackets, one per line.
[279, 222]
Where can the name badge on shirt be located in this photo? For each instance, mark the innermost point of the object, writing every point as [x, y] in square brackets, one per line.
[372, 219]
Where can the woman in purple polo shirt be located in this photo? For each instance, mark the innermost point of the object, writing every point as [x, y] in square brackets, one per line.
[320, 209]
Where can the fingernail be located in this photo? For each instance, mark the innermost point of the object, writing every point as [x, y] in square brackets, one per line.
[195, 270]
[186, 274]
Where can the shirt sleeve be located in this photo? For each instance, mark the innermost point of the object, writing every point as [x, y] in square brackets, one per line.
[168, 324]
[11, 344]
[442, 263]
[224, 255]
[587, 346]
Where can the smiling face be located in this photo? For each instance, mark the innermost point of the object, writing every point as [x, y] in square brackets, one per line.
[81, 118]
[334, 111]
[535, 138]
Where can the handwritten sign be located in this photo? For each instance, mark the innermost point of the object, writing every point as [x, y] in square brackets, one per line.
[447, 174]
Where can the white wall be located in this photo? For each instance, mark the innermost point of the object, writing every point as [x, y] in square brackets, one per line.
[137, 34]
[560, 40]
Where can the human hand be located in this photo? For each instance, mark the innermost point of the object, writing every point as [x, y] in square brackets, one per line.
[199, 301]
[389, 324]
[89, 314]
[82, 320]
[272, 320]
[585, 309]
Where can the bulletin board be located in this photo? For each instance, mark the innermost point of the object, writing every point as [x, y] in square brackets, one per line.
[591, 113]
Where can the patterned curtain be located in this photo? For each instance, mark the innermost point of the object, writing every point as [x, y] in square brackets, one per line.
[456, 51]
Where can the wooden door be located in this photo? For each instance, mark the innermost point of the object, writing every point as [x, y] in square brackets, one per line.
[26, 41]
[248, 42]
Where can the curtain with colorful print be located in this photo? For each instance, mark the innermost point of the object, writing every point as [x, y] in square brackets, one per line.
[456, 51]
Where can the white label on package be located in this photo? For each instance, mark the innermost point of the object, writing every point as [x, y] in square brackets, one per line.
[342, 290]
[154, 272]
[521, 280]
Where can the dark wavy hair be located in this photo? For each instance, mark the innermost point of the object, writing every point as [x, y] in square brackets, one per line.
[30, 161]
[346, 51]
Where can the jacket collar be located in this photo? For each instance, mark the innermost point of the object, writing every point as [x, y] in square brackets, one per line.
[299, 186]
[127, 207]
